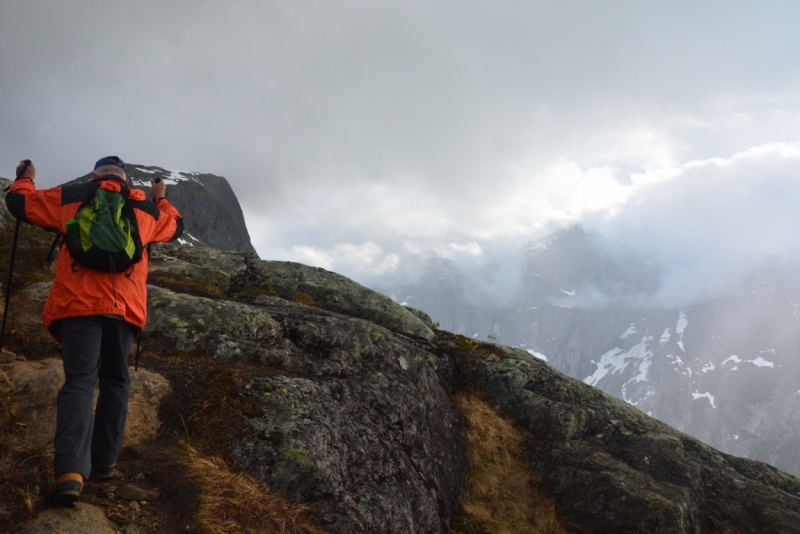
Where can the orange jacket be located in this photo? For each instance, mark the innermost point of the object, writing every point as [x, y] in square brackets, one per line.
[81, 291]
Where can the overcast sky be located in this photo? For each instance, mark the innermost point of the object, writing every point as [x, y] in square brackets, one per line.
[361, 136]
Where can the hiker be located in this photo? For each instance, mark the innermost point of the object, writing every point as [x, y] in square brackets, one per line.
[94, 312]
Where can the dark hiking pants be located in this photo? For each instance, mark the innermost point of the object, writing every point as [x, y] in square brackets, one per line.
[94, 347]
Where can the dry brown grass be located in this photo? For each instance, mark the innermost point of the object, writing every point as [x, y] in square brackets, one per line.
[502, 496]
[236, 504]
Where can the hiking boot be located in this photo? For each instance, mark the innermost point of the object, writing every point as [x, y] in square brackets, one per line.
[68, 489]
[104, 472]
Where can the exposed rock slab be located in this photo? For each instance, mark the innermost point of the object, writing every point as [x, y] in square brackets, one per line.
[82, 519]
[8, 357]
[224, 327]
[207, 272]
[197, 269]
[334, 292]
[133, 492]
[348, 417]
[37, 384]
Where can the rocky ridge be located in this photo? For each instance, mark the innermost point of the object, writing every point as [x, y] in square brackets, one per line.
[335, 397]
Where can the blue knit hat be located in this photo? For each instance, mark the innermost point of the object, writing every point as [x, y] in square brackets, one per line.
[110, 160]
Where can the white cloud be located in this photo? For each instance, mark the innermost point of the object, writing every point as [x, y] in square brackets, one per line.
[710, 223]
[455, 128]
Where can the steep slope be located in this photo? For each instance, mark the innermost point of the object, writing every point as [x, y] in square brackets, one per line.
[725, 371]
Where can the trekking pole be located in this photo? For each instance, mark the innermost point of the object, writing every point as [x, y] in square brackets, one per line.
[8, 286]
[11, 267]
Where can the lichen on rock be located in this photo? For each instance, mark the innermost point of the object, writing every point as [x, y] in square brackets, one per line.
[368, 443]
[229, 328]
[332, 292]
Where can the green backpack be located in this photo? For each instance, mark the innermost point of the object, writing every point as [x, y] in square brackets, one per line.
[104, 233]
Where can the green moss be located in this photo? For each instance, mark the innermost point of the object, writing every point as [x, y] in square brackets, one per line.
[298, 456]
[257, 424]
[376, 335]
[186, 285]
[464, 343]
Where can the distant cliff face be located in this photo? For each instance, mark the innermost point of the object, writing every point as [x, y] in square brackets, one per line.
[725, 371]
[211, 212]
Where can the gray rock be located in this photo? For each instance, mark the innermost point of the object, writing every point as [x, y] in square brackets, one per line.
[82, 519]
[333, 292]
[358, 426]
[227, 328]
[5, 216]
[421, 315]
[133, 492]
[7, 357]
[206, 272]
[354, 420]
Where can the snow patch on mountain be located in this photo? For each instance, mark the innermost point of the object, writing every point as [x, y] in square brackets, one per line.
[734, 358]
[537, 354]
[170, 176]
[616, 361]
[758, 362]
[665, 337]
[540, 246]
[680, 327]
[631, 330]
[697, 395]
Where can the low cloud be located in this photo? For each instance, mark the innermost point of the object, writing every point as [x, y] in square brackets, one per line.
[711, 223]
